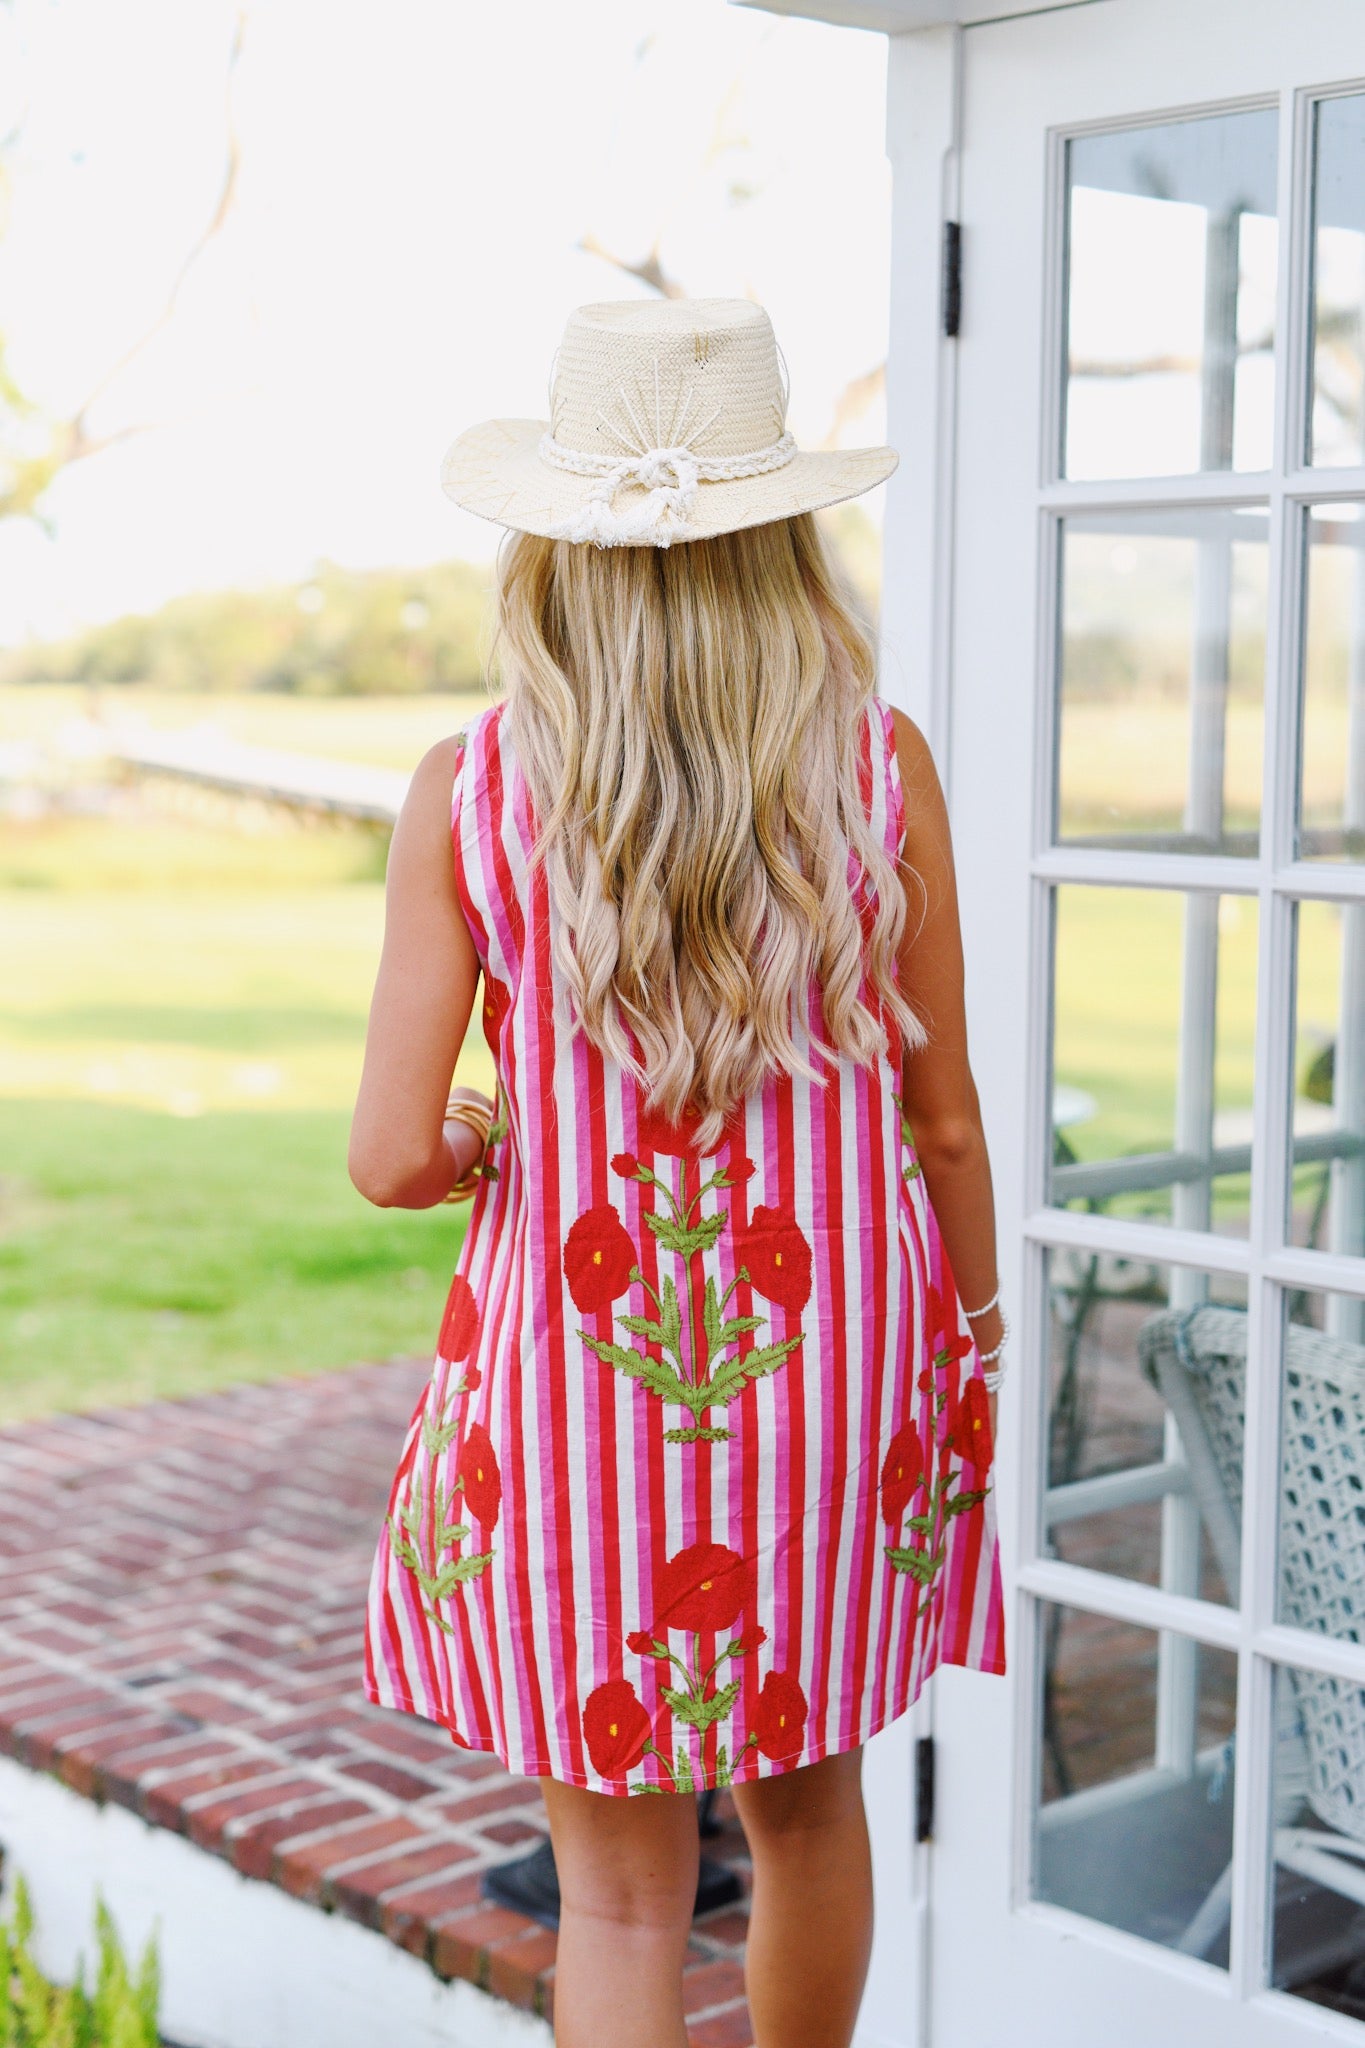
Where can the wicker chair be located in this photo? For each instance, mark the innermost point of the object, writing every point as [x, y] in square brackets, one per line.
[1197, 1359]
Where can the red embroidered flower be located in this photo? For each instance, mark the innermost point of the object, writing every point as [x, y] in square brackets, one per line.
[780, 1717]
[970, 1432]
[641, 1642]
[704, 1586]
[477, 1467]
[750, 1641]
[473, 1378]
[676, 1136]
[954, 1347]
[740, 1168]
[626, 1164]
[598, 1257]
[460, 1323]
[902, 1471]
[615, 1727]
[778, 1258]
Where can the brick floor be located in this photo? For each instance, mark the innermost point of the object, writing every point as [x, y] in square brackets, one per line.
[182, 1591]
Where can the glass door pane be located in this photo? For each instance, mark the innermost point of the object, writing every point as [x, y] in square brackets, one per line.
[1337, 413]
[1171, 255]
[1332, 695]
[1154, 1011]
[1318, 1878]
[1162, 680]
[1134, 1822]
[1327, 1176]
[1147, 1376]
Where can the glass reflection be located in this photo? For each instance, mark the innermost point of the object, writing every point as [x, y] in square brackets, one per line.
[1318, 1806]
[1154, 1007]
[1332, 716]
[1171, 270]
[1145, 1422]
[1134, 1827]
[1337, 424]
[1162, 675]
[1327, 1185]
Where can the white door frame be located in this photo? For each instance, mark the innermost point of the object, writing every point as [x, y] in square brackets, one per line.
[1069, 70]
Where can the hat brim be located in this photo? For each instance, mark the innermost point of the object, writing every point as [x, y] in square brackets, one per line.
[496, 471]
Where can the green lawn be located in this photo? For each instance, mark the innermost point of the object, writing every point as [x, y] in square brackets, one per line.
[182, 1018]
[144, 1254]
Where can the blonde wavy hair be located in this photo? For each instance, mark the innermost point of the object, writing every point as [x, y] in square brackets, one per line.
[688, 721]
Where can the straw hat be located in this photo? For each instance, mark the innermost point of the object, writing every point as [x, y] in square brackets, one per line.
[667, 423]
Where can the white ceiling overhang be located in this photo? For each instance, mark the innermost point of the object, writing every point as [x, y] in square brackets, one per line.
[897, 15]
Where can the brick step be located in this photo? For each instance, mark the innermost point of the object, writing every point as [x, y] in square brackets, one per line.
[182, 1595]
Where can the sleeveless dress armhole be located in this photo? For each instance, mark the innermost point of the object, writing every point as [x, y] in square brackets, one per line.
[895, 788]
[466, 803]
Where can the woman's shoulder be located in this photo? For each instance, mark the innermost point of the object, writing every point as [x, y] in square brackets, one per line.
[913, 755]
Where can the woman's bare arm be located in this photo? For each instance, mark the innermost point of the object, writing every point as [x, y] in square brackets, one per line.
[401, 1156]
[938, 1090]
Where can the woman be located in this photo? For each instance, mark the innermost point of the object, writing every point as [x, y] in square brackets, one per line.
[699, 1491]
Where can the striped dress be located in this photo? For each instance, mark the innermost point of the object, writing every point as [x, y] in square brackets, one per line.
[700, 1487]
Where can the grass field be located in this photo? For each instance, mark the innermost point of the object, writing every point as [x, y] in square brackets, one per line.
[182, 1018]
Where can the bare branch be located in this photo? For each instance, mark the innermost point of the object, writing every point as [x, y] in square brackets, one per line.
[81, 441]
[853, 401]
[649, 270]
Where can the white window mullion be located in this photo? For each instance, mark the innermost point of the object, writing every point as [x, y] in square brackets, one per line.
[1253, 1840]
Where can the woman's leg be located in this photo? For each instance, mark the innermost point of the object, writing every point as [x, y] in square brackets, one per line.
[810, 1933]
[628, 1883]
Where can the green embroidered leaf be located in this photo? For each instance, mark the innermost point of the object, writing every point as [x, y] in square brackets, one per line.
[683, 1707]
[920, 1564]
[672, 1313]
[641, 1326]
[961, 1502]
[453, 1533]
[922, 1523]
[710, 1321]
[661, 1790]
[445, 1627]
[697, 1435]
[672, 1236]
[731, 1376]
[434, 1439]
[402, 1548]
[738, 1326]
[723, 1777]
[632, 1362]
[683, 1780]
[716, 1708]
[488, 1171]
[678, 1237]
[912, 1171]
[466, 1568]
[707, 1231]
[757, 1364]
[497, 1130]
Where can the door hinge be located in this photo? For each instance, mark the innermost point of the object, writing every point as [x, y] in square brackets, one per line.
[924, 1788]
[952, 276]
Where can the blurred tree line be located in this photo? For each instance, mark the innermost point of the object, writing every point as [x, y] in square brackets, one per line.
[344, 633]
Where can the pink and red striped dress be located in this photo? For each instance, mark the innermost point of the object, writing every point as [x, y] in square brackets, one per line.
[700, 1487]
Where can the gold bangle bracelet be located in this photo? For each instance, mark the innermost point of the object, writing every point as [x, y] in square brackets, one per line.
[479, 1118]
